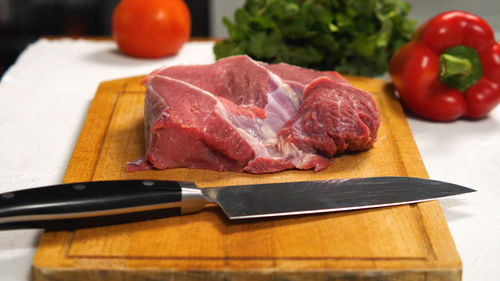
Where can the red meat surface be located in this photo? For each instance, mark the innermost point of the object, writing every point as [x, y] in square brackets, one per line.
[248, 116]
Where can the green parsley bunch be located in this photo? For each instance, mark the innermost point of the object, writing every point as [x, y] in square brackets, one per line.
[350, 36]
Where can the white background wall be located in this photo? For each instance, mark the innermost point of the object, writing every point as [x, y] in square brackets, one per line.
[421, 11]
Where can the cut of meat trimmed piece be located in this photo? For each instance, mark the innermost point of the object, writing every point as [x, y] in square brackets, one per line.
[332, 118]
[248, 116]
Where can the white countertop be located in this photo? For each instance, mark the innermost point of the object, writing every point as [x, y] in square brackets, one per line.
[45, 96]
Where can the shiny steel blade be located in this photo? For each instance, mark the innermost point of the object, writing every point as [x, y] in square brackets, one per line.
[293, 198]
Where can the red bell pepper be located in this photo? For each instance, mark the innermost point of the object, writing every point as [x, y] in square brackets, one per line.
[450, 68]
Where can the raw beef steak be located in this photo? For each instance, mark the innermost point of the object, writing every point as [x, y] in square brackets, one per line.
[243, 115]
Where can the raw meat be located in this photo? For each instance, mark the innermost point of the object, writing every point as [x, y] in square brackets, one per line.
[248, 116]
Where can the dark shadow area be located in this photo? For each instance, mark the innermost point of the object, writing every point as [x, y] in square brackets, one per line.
[112, 56]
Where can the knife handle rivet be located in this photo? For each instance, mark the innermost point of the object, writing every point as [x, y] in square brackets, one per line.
[8, 195]
[79, 187]
[148, 183]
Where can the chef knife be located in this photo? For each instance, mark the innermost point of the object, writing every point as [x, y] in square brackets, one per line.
[108, 202]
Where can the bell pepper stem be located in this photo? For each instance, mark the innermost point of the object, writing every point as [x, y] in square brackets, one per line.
[460, 67]
[455, 66]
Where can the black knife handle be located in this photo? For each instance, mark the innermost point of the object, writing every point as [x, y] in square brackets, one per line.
[109, 200]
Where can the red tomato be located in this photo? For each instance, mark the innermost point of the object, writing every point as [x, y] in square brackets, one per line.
[151, 28]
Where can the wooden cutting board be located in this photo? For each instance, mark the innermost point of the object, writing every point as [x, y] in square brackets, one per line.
[409, 242]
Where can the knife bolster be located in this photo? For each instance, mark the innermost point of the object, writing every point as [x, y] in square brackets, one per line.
[192, 200]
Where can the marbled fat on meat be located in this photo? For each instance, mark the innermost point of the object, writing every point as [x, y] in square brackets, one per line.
[248, 116]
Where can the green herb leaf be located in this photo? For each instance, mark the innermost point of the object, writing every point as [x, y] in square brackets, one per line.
[350, 36]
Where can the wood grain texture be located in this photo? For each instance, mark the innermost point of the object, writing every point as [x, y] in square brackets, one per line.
[409, 243]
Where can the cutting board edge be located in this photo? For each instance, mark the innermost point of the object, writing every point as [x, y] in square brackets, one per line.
[50, 274]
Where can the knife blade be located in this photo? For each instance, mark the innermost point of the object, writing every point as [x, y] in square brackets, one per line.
[109, 202]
